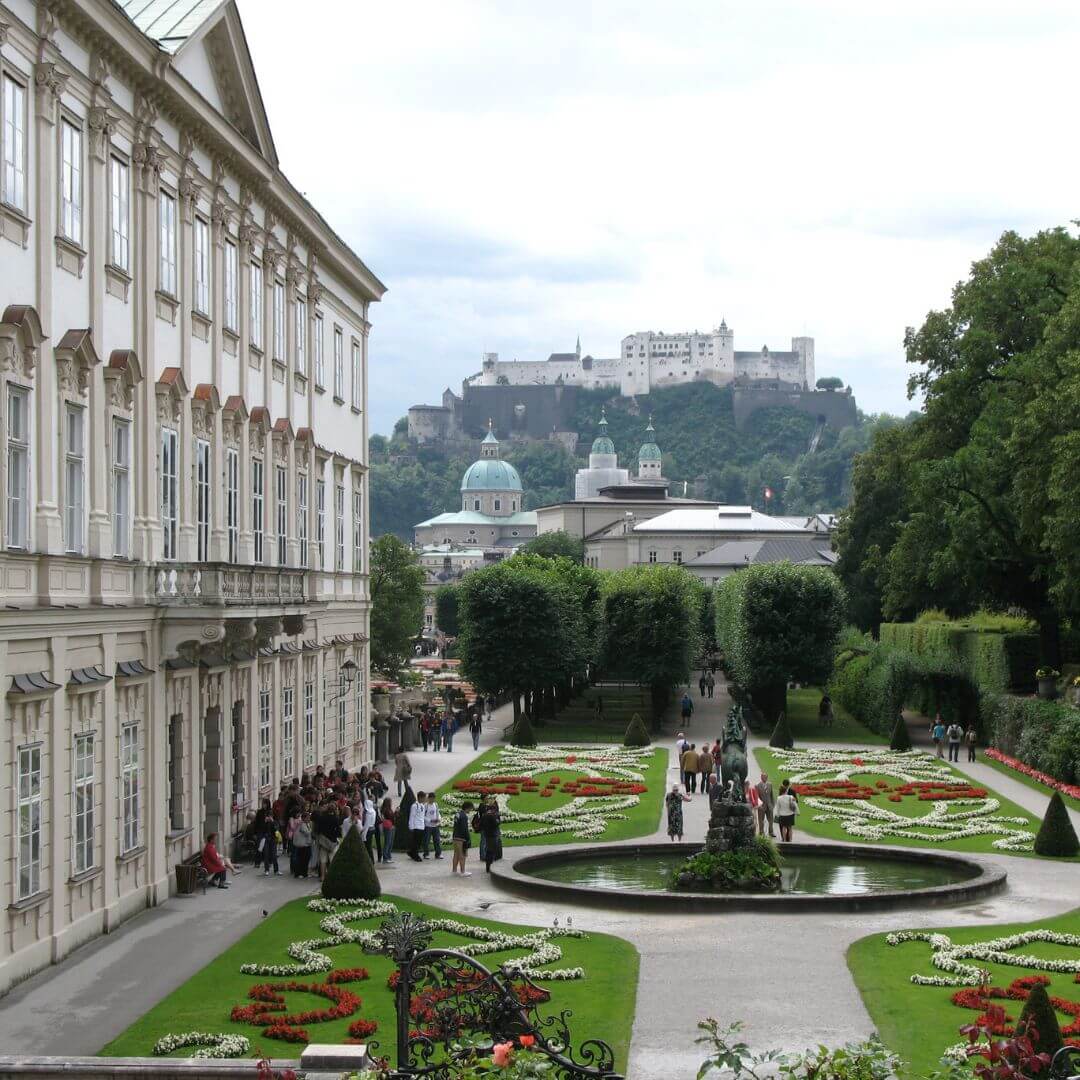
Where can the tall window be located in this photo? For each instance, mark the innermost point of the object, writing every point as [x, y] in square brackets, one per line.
[119, 213]
[83, 803]
[121, 486]
[170, 494]
[282, 518]
[232, 286]
[74, 477]
[342, 711]
[309, 724]
[357, 385]
[167, 243]
[339, 365]
[320, 522]
[301, 336]
[652, 556]
[358, 530]
[257, 516]
[29, 823]
[264, 738]
[279, 321]
[339, 523]
[71, 182]
[129, 787]
[13, 141]
[320, 372]
[18, 467]
[175, 774]
[202, 499]
[202, 266]
[232, 502]
[288, 725]
[256, 305]
[302, 516]
[358, 693]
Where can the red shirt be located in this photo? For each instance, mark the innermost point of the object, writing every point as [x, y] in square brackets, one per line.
[211, 860]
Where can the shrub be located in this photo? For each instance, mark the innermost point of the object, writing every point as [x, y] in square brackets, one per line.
[1042, 734]
[781, 736]
[746, 869]
[351, 875]
[401, 820]
[636, 734]
[901, 740]
[1056, 835]
[1039, 1022]
[523, 733]
[766, 849]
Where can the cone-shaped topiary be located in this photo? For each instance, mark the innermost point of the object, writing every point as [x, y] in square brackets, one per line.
[636, 734]
[781, 736]
[523, 732]
[351, 875]
[401, 820]
[1056, 834]
[901, 740]
[1039, 1022]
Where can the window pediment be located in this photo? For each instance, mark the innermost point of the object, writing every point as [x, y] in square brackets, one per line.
[20, 337]
[122, 374]
[205, 405]
[75, 357]
[171, 391]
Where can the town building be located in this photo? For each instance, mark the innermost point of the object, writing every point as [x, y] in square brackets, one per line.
[603, 468]
[184, 536]
[734, 555]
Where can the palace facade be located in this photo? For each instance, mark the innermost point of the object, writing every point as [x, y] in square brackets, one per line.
[184, 604]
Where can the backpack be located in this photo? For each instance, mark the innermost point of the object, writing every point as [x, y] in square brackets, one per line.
[475, 822]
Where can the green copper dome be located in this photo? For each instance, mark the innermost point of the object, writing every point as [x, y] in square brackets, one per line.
[649, 450]
[491, 474]
[602, 444]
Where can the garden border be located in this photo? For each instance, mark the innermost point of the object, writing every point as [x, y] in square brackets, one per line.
[516, 878]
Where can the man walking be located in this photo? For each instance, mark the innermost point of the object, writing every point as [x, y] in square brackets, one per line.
[417, 824]
[432, 825]
[954, 735]
[686, 708]
[702, 683]
[476, 724]
[689, 769]
[767, 802]
[710, 684]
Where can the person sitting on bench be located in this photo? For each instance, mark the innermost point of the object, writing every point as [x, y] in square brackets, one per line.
[212, 862]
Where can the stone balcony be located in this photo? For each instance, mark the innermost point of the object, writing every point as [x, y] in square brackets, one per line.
[211, 584]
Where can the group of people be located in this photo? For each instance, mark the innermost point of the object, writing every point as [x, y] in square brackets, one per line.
[438, 726]
[707, 684]
[951, 737]
[425, 824]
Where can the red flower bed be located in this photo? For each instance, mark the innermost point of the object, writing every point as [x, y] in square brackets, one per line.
[1072, 790]
[924, 790]
[592, 786]
[1000, 1022]
[361, 1029]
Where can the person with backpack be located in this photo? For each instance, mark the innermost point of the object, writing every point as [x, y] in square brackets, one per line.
[954, 735]
[971, 737]
[491, 831]
[937, 733]
[825, 711]
[462, 840]
[686, 708]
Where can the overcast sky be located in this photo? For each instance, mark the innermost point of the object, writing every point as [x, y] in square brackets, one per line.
[521, 173]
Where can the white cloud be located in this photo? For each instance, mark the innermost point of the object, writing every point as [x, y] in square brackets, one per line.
[520, 173]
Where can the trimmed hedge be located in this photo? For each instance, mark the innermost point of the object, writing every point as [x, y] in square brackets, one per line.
[636, 734]
[1056, 836]
[901, 740]
[351, 874]
[1039, 1022]
[781, 736]
[1042, 734]
[997, 661]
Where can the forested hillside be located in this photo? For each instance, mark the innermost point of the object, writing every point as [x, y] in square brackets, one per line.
[695, 429]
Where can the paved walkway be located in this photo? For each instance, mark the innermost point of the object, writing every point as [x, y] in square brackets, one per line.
[785, 975]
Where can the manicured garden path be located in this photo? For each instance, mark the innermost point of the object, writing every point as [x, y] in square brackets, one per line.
[602, 1001]
[920, 1022]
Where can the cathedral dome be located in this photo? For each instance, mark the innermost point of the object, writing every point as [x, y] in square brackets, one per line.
[602, 444]
[649, 450]
[491, 474]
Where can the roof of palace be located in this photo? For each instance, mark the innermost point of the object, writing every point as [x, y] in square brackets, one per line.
[169, 23]
[474, 517]
[805, 552]
[736, 519]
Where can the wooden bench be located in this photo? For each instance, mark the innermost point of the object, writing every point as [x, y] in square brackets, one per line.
[201, 876]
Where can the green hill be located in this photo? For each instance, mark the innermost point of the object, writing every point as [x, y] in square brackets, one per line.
[695, 429]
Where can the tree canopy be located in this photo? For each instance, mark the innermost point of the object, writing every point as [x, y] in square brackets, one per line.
[446, 610]
[555, 543]
[397, 604]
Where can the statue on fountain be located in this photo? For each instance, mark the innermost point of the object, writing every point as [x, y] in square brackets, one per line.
[733, 766]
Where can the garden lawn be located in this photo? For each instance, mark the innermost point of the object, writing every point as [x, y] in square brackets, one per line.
[603, 1002]
[919, 1022]
[802, 714]
[641, 820]
[1015, 774]
[909, 806]
[580, 731]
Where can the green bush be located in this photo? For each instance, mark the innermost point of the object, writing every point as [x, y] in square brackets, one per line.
[1039, 1022]
[901, 740]
[744, 870]
[1056, 836]
[636, 733]
[523, 733]
[781, 736]
[401, 820]
[1042, 734]
[351, 875]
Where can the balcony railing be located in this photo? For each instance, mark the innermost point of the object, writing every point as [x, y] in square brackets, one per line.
[186, 584]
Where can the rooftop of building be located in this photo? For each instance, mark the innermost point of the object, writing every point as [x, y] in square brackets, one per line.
[474, 517]
[716, 519]
[169, 23]
[803, 551]
[491, 474]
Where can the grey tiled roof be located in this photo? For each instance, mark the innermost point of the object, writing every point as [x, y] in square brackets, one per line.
[169, 23]
[748, 552]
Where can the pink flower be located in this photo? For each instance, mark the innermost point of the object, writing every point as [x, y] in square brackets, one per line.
[501, 1053]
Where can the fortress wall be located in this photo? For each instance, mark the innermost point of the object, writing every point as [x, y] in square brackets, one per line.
[838, 409]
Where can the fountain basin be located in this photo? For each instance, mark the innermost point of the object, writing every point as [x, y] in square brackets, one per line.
[822, 877]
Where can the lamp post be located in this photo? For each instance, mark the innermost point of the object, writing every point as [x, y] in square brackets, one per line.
[346, 677]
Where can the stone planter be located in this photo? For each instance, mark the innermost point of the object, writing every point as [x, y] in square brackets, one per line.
[1048, 688]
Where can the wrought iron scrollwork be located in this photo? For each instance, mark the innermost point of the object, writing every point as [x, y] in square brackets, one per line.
[449, 1005]
[1066, 1064]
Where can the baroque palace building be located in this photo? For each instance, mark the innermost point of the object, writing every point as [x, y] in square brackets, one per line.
[184, 605]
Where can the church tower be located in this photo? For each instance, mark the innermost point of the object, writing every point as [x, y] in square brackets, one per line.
[489, 448]
[650, 460]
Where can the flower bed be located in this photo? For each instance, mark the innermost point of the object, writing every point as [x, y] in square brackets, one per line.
[1072, 790]
[958, 809]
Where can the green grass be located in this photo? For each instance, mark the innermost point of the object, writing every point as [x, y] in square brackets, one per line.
[603, 1002]
[580, 731]
[834, 830]
[1027, 781]
[919, 1022]
[641, 820]
[802, 714]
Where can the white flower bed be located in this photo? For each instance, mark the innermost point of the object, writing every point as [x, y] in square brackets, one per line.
[208, 1044]
[947, 956]
[869, 821]
[585, 817]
